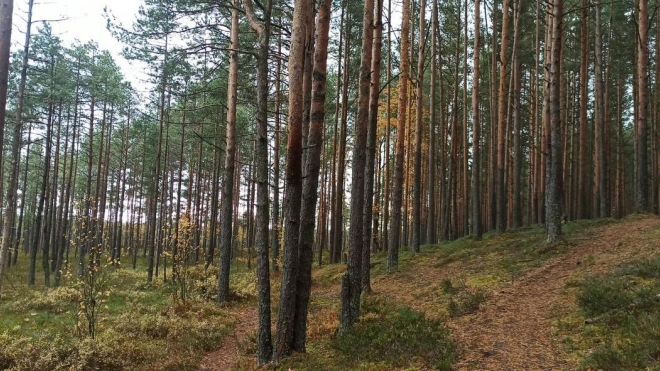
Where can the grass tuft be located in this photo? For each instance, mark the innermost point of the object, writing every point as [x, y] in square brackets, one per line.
[395, 335]
[622, 318]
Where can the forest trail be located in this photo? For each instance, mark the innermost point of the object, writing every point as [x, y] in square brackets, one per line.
[515, 330]
[231, 351]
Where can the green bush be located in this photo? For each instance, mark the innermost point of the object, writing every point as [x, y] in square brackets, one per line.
[599, 295]
[395, 336]
[57, 300]
[172, 339]
[625, 312]
[643, 268]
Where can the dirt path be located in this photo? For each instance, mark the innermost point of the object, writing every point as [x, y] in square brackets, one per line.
[230, 353]
[514, 330]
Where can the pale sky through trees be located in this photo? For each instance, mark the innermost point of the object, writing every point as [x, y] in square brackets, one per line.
[82, 20]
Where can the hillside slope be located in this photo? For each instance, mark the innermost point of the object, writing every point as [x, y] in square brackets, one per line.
[508, 301]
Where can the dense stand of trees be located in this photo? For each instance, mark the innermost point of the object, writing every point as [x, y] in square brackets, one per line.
[470, 117]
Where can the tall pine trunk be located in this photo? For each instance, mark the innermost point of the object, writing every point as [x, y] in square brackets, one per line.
[419, 115]
[397, 189]
[477, 230]
[230, 159]
[284, 332]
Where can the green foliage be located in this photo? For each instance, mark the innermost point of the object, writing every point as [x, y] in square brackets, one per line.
[599, 295]
[57, 301]
[622, 311]
[395, 335]
[175, 344]
[137, 326]
[643, 268]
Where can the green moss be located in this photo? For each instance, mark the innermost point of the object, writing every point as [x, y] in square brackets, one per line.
[624, 323]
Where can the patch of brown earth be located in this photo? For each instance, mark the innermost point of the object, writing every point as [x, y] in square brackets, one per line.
[514, 330]
[229, 354]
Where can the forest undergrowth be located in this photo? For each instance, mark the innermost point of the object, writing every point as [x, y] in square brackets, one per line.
[510, 301]
[138, 325]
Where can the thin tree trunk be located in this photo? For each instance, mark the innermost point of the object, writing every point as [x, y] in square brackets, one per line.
[8, 230]
[553, 178]
[43, 198]
[351, 286]
[230, 158]
[516, 220]
[151, 236]
[419, 115]
[477, 230]
[431, 219]
[275, 238]
[264, 340]
[501, 123]
[370, 165]
[397, 197]
[584, 80]
[641, 154]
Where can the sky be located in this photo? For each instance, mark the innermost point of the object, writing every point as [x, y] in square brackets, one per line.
[82, 20]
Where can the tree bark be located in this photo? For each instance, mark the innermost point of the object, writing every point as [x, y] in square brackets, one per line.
[311, 172]
[516, 219]
[8, 230]
[584, 81]
[641, 154]
[292, 200]
[230, 158]
[351, 287]
[370, 166]
[417, 170]
[397, 196]
[431, 222]
[553, 178]
[264, 340]
[501, 123]
[477, 231]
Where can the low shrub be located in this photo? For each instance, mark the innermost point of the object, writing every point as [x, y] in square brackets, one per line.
[599, 295]
[394, 336]
[624, 310]
[466, 301]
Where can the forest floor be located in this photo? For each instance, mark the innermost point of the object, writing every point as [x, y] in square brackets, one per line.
[510, 302]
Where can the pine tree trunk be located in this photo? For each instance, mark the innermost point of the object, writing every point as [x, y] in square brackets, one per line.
[417, 170]
[351, 287]
[370, 166]
[153, 202]
[311, 172]
[501, 124]
[641, 153]
[397, 190]
[516, 219]
[264, 340]
[230, 158]
[43, 198]
[431, 219]
[8, 230]
[553, 178]
[275, 224]
[477, 230]
[284, 332]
